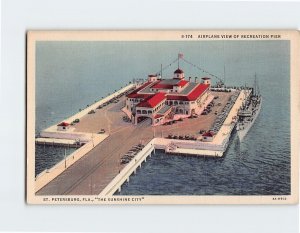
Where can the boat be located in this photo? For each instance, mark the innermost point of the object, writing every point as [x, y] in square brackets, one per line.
[249, 111]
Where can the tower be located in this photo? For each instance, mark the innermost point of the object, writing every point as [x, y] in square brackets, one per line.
[178, 74]
[206, 81]
[152, 78]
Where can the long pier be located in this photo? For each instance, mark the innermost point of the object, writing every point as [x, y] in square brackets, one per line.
[52, 136]
[99, 170]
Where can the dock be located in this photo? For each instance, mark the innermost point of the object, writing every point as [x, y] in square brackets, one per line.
[95, 167]
[57, 142]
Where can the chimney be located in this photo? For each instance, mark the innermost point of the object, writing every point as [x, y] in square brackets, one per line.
[196, 79]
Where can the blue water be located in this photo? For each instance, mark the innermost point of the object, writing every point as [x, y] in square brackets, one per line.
[48, 156]
[71, 75]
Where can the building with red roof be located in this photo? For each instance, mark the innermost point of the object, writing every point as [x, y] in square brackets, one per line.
[153, 101]
[161, 99]
[208, 136]
[63, 126]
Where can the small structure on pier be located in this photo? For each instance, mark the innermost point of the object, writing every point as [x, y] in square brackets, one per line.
[208, 136]
[63, 126]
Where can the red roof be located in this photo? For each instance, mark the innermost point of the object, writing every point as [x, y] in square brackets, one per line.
[177, 97]
[138, 89]
[138, 96]
[199, 90]
[153, 100]
[182, 83]
[208, 134]
[63, 124]
[160, 85]
[178, 71]
[193, 95]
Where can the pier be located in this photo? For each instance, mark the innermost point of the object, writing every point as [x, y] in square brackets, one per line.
[95, 168]
[124, 175]
[57, 142]
[216, 148]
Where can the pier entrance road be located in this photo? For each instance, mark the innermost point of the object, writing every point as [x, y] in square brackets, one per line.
[97, 168]
[94, 171]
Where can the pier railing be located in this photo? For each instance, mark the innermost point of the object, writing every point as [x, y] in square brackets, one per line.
[49, 174]
[195, 145]
[130, 168]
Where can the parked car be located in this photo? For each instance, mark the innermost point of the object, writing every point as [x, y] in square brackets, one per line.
[76, 121]
[101, 131]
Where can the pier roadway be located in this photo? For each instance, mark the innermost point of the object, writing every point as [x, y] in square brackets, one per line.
[93, 172]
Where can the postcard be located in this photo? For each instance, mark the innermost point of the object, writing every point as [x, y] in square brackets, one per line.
[162, 117]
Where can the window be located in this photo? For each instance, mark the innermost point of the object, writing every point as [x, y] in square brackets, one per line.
[144, 111]
[138, 111]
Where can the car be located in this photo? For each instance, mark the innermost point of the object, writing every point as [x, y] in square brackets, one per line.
[101, 131]
[76, 121]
